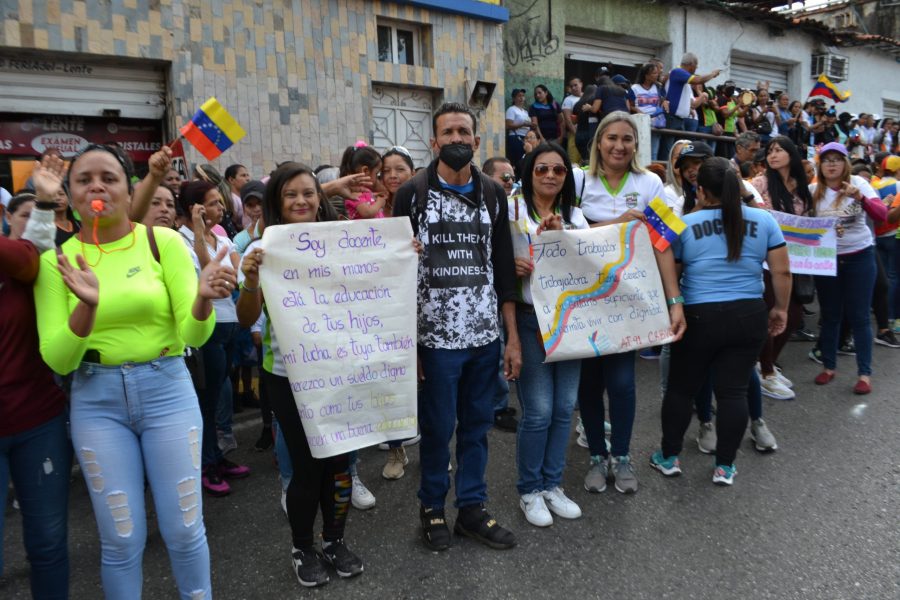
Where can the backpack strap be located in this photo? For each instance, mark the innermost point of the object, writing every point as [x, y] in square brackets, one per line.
[489, 194]
[418, 207]
[154, 248]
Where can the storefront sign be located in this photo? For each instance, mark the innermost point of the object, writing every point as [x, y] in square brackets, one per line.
[24, 135]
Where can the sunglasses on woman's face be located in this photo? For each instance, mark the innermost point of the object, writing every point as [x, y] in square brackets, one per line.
[558, 170]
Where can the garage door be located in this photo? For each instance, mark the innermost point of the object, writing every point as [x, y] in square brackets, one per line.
[69, 87]
[746, 72]
[599, 48]
[402, 117]
[890, 109]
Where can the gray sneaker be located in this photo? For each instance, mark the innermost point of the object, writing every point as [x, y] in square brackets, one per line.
[623, 470]
[595, 480]
[762, 437]
[706, 438]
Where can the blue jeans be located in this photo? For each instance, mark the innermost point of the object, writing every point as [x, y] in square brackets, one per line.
[547, 393]
[887, 247]
[613, 373]
[691, 124]
[458, 393]
[39, 461]
[655, 138]
[501, 391]
[849, 294]
[707, 129]
[216, 352]
[895, 261]
[129, 421]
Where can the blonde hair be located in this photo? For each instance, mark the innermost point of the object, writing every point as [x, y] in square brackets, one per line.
[821, 186]
[596, 166]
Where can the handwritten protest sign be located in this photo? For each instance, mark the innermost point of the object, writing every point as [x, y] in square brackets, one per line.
[811, 243]
[341, 297]
[598, 291]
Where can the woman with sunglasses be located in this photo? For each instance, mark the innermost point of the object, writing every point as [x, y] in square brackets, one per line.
[120, 320]
[547, 391]
[617, 190]
[851, 199]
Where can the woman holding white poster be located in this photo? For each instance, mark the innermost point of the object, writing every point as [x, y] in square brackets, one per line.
[615, 189]
[293, 195]
[721, 252]
[547, 391]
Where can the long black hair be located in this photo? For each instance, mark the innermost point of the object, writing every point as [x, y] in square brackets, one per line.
[549, 99]
[782, 199]
[280, 177]
[720, 182]
[357, 156]
[566, 198]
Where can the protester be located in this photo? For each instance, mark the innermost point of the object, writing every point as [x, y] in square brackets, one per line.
[648, 100]
[362, 159]
[458, 326]
[396, 169]
[251, 199]
[236, 176]
[679, 94]
[547, 391]
[546, 115]
[617, 190]
[294, 195]
[851, 199]
[518, 124]
[587, 123]
[119, 321]
[500, 170]
[162, 211]
[570, 119]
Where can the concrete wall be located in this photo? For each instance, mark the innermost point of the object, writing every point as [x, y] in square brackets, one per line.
[297, 75]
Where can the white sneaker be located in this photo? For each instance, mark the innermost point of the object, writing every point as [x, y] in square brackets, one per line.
[560, 505]
[361, 497]
[284, 501]
[773, 388]
[706, 438]
[535, 509]
[582, 439]
[784, 380]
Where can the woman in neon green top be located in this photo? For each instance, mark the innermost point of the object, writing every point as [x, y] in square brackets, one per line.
[120, 321]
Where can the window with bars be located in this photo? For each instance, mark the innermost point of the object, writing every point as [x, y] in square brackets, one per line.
[399, 43]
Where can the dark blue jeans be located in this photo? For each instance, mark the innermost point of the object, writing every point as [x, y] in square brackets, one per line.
[848, 295]
[887, 247]
[216, 352]
[613, 374]
[39, 461]
[458, 393]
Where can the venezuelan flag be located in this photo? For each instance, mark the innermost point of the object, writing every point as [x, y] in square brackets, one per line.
[802, 235]
[824, 87]
[664, 225]
[212, 130]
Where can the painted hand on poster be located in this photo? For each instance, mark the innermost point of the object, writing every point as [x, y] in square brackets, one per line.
[341, 299]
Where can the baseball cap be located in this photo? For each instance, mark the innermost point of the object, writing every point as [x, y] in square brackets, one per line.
[833, 147]
[253, 189]
[619, 79]
[729, 83]
[694, 150]
[891, 163]
[831, 112]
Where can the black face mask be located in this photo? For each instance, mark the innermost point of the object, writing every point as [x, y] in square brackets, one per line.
[456, 156]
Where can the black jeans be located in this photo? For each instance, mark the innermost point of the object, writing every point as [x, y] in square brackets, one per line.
[317, 482]
[723, 338]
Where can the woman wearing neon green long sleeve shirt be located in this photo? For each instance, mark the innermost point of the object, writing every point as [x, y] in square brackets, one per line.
[120, 321]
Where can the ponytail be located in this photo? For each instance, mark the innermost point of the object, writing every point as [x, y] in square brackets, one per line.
[719, 181]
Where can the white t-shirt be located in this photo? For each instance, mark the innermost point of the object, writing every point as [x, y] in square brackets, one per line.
[599, 203]
[519, 115]
[226, 312]
[569, 102]
[5, 197]
[524, 225]
[674, 199]
[851, 215]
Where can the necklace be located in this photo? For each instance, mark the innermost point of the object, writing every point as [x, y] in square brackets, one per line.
[100, 248]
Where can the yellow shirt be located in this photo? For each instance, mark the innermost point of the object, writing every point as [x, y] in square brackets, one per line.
[145, 306]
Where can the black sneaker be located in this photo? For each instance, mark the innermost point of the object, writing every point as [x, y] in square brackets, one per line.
[265, 440]
[847, 348]
[435, 532]
[505, 420]
[345, 563]
[816, 355]
[803, 335]
[888, 339]
[475, 522]
[308, 567]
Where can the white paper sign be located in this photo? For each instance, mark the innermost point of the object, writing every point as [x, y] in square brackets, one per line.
[598, 291]
[811, 243]
[342, 300]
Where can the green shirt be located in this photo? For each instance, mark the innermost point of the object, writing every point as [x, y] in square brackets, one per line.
[145, 305]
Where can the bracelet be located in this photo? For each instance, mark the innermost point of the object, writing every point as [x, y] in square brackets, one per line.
[675, 300]
[251, 290]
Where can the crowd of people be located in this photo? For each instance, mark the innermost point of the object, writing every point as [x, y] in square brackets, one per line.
[136, 315]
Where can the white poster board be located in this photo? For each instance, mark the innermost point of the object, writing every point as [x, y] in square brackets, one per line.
[598, 291]
[342, 300]
[811, 243]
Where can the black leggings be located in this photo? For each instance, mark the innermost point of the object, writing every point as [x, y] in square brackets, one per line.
[317, 482]
[724, 339]
[880, 296]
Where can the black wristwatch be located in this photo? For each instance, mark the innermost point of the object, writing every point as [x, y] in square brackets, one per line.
[45, 204]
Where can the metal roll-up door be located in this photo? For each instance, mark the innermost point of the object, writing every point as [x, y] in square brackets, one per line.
[746, 72]
[890, 110]
[595, 47]
[63, 86]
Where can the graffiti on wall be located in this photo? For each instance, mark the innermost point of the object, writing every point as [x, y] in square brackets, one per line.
[529, 38]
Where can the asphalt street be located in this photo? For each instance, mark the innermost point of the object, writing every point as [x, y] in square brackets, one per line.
[818, 519]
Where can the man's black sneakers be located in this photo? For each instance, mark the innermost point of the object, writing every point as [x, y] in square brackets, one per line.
[435, 532]
[475, 522]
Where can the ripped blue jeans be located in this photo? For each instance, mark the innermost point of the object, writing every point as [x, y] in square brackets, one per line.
[135, 420]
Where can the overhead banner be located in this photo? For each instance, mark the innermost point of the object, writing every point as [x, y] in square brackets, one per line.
[342, 300]
[811, 243]
[598, 291]
[32, 135]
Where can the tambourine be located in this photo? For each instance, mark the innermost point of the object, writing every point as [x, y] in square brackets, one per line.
[747, 98]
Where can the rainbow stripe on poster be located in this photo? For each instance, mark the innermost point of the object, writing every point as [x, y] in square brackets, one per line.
[802, 235]
[825, 88]
[212, 130]
[664, 225]
[606, 284]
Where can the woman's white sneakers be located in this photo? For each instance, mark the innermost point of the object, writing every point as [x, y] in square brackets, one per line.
[537, 507]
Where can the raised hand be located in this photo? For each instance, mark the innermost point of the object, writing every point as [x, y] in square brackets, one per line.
[217, 279]
[81, 281]
[160, 162]
[47, 177]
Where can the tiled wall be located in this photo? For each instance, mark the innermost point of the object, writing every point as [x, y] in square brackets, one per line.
[296, 74]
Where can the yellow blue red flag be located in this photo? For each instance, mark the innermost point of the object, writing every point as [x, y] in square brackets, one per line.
[664, 225]
[212, 130]
[824, 87]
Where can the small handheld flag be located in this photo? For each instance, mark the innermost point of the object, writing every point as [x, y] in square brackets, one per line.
[212, 130]
[824, 87]
[664, 225]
